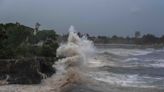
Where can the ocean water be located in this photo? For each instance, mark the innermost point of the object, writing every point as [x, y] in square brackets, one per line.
[140, 68]
[101, 68]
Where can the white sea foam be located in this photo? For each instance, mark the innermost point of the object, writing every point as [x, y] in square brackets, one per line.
[125, 80]
[146, 62]
[158, 63]
[95, 63]
[131, 59]
[127, 52]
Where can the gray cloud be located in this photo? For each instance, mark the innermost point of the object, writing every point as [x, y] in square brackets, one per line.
[106, 17]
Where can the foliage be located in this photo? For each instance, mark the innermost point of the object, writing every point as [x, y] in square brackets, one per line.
[18, 41]
[49, 49]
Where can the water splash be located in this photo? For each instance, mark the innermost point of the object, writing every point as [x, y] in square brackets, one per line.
[76, 51]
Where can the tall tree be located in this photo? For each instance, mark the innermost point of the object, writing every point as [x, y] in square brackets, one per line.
[137, 34]
[37, 25]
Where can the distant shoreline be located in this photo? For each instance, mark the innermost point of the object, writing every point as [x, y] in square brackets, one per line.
[140, 46]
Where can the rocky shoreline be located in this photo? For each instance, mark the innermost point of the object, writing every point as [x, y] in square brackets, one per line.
[26, 70]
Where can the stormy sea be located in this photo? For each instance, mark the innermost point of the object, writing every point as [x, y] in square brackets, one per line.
[86, 67]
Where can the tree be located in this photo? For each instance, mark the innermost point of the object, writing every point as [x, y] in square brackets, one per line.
[49, 48]
[162, 39]
[137, 34]
[37, 25]
[149, 39]
[114, 37]
[17, 24]
[2, 34]
[19, 41]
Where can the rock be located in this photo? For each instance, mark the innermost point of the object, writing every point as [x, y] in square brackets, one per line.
[46, 66]
[25, 71]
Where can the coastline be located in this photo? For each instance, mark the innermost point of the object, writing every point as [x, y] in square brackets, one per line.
[138, 46]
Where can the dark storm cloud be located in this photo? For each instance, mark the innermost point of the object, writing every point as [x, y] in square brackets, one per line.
[106, 17]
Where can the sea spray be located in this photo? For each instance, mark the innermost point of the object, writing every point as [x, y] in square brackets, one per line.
[76, 51]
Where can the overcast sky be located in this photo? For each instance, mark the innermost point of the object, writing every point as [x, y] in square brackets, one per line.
[96, 17]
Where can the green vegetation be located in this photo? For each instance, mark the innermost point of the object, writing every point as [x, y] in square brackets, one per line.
[19, 41]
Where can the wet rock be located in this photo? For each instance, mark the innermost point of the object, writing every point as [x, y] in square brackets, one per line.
[25, 71]
[46, 66]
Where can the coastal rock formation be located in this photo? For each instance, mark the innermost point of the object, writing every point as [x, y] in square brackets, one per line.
[25, 71]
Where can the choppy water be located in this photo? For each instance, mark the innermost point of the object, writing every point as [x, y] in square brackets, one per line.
[104, 68]
[141, 68]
